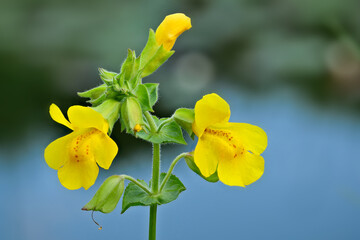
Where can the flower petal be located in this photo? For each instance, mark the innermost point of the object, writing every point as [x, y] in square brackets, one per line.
[56, 153]
[170, 29]
[209, 110]
[74, 175]
[206, 156]
[252, 137]
[241, 170]
[57, 116]
[86, 117]
[104, 149]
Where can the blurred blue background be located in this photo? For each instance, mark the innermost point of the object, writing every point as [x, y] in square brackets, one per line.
[291, 67]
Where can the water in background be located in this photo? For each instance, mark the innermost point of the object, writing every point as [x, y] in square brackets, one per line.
[310, 188]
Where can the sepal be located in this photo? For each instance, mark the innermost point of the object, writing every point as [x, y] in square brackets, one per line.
[143, 97]
[107, 196]
[153, 55]
[110, 110]
[189, 159]
[106, 76]
[185, 117]
[152, 89]
[131, 114]
[93, 93]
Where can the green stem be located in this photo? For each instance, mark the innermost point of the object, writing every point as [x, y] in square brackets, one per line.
[154, 189]
[156, 169]
[152, 226]
[168, 174]
[151, 122]
[164, 123]
[137, 183]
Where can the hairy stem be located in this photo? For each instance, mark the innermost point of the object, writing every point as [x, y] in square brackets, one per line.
[168, 174]
[137, 183]
[154, 189]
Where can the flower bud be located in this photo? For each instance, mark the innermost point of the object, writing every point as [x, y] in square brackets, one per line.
[131, 115]
[170, 29]
[107, 196]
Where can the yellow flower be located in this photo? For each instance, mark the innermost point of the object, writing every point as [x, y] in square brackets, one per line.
[76, 154]
[170, 29]
[231, 149]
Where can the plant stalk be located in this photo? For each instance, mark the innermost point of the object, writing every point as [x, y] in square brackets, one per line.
[154, 189]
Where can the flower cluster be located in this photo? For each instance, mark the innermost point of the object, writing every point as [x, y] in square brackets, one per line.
[225, 151]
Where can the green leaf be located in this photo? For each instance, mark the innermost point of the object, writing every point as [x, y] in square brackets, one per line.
[135, 196]
[143, 97]
[93, 93]
[107, 196]
[189, 158]
[185, 118]
[153, 56]
[169, 133]
[153, 92]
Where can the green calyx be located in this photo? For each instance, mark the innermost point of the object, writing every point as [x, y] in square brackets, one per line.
[107, 196]
[110, 110]
[131, 115]
[189, 158]
[185, 118]
[153, 55]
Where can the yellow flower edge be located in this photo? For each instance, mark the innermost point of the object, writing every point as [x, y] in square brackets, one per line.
[77, 155]
[231, 149]
[171, 28]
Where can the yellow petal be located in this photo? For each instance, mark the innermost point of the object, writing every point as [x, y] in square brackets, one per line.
[241, 170]
[57, 116]
[251, 168]
[170, 29]
[104, 149]
[56, 153]
[206, 156]
[209, 110]
[74, 175]
[86, 117]
[252, 137]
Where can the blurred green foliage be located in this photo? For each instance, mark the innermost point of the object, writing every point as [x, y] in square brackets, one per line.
[49, 50]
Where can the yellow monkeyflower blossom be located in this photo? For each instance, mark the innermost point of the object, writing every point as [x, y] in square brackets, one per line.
[231, 149]
[170, 29]
[77, 155]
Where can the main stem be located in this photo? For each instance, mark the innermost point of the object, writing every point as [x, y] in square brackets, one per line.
[154, 189]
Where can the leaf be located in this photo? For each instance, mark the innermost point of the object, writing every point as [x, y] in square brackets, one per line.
[169, 133]
[153, 92]
[142, 95]
[135, 196]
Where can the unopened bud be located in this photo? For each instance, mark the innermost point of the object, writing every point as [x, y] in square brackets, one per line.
[131, 115]
[107, 196]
